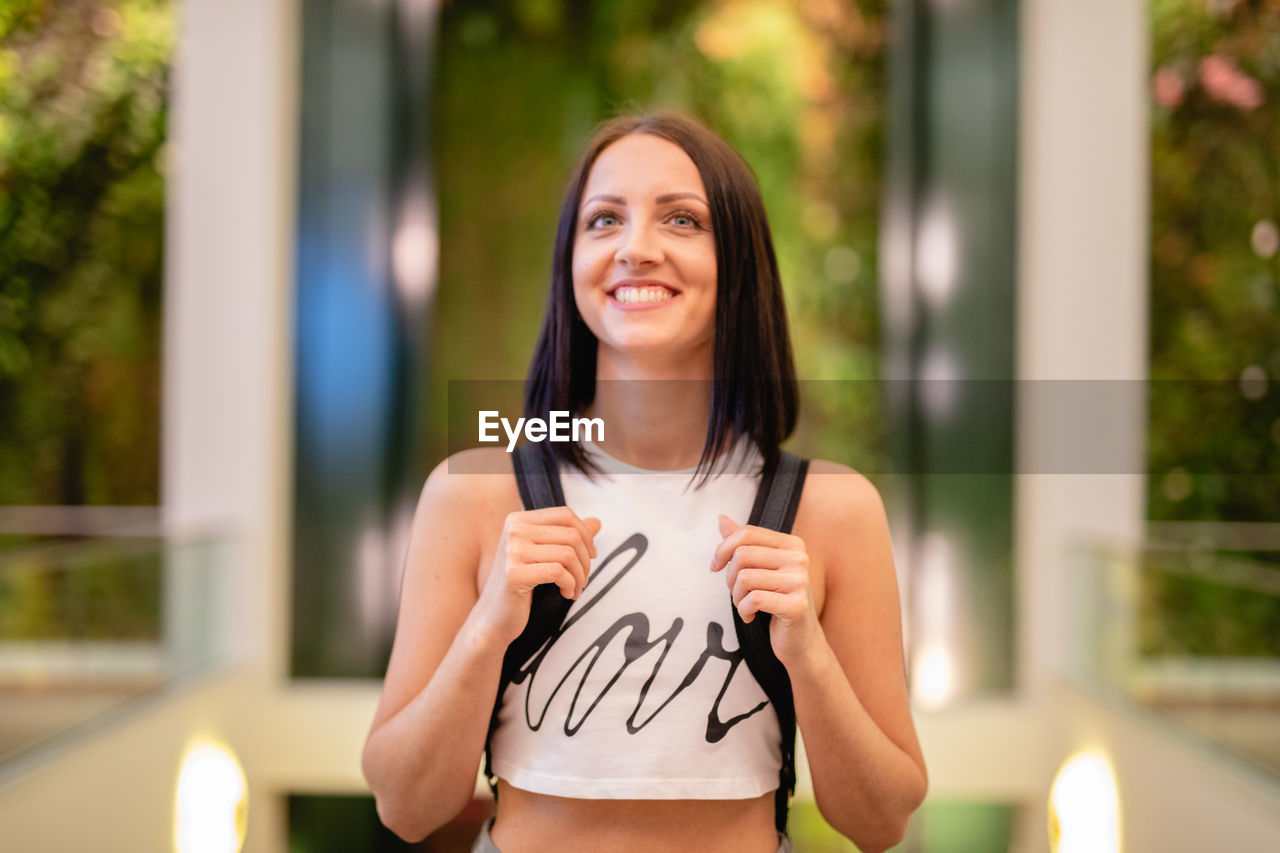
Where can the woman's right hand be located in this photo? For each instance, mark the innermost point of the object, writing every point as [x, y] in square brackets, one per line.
[539, 546]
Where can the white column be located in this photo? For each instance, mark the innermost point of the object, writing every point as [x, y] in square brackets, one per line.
[1082, 311]
[228, 395]
[228, 342]
[1082, 308]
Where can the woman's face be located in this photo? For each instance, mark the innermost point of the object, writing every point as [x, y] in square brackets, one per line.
[644, 259]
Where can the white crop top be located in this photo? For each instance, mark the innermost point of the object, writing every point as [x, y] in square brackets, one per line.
[644, 694]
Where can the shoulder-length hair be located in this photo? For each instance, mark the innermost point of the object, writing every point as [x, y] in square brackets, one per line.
[754, 380]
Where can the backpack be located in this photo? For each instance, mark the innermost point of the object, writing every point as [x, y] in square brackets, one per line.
[776, 502]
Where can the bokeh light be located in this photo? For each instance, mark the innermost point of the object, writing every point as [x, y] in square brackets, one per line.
[1084, 806]
[211, 807]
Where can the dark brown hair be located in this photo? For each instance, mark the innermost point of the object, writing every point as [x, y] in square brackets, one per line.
[754, 380]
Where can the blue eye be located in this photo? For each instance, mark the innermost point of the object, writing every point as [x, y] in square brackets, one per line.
[609, 219]
[685, 219]
[596, 219]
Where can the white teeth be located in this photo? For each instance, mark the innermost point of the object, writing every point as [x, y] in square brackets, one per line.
[642, 294]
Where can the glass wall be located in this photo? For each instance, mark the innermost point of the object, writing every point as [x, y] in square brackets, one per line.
[1201, 603]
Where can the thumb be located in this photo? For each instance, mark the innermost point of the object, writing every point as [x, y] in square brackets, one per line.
[727, 525]
[593, 526]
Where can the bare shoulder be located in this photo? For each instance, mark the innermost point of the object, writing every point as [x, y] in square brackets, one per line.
[465, 498]
[839, 507]
[461, 511]
[838, 496]
[475, 481]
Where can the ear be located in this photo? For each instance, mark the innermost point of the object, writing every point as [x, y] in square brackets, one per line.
[727, 525]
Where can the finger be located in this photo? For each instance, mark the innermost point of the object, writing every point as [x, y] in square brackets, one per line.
[564, 516]
[524, 552]
[762, 601]
[764, 557]
[768, 580]
[594, 525]
[727, 525]
[540, 573]
[587, 529]
[732, 569]
[544, 534]
[751, 535]
[563, 555]
[566, 556]
[724, 551]
[760, 557]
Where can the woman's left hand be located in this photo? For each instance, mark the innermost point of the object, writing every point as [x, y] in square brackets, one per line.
[769, 571]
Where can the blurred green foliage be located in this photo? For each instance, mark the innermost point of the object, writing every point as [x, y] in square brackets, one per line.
[1214, 432]
[1215, 268]
[1190, 616]
[939, 826]
[84, 590]
[83, 92]
[798, 88]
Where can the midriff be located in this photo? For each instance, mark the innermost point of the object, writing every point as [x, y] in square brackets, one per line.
[528, 822]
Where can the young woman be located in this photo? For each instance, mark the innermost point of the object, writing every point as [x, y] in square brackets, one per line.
[637, 730]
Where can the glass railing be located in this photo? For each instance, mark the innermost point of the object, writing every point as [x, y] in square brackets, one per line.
[91, 625]
[1187, 627]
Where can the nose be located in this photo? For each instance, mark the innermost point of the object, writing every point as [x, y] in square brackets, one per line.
[639, 247]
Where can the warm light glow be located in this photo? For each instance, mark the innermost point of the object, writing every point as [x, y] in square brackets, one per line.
[1084, 807]
[415, 248]
[933, 682]
[212, 802]
[933, 674]
[937, 253]
[369, 586]
[1265, 238]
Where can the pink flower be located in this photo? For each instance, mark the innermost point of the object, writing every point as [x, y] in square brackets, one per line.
[1223, 81]
[1167, 88]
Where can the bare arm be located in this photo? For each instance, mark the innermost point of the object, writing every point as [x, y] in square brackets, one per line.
[424, 746]
[846, 666]
[851, 696]
[421, 763]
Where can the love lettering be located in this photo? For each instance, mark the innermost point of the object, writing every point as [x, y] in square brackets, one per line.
[637, 643]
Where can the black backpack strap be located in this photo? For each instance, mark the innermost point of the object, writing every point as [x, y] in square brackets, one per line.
[538, 479]
[775, 508]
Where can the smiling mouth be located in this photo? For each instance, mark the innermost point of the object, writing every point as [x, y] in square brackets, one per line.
[628, 295]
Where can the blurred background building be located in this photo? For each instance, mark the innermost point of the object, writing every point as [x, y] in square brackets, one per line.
[253, 254]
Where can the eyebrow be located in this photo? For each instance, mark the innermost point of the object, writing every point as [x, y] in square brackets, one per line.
[662, 199]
